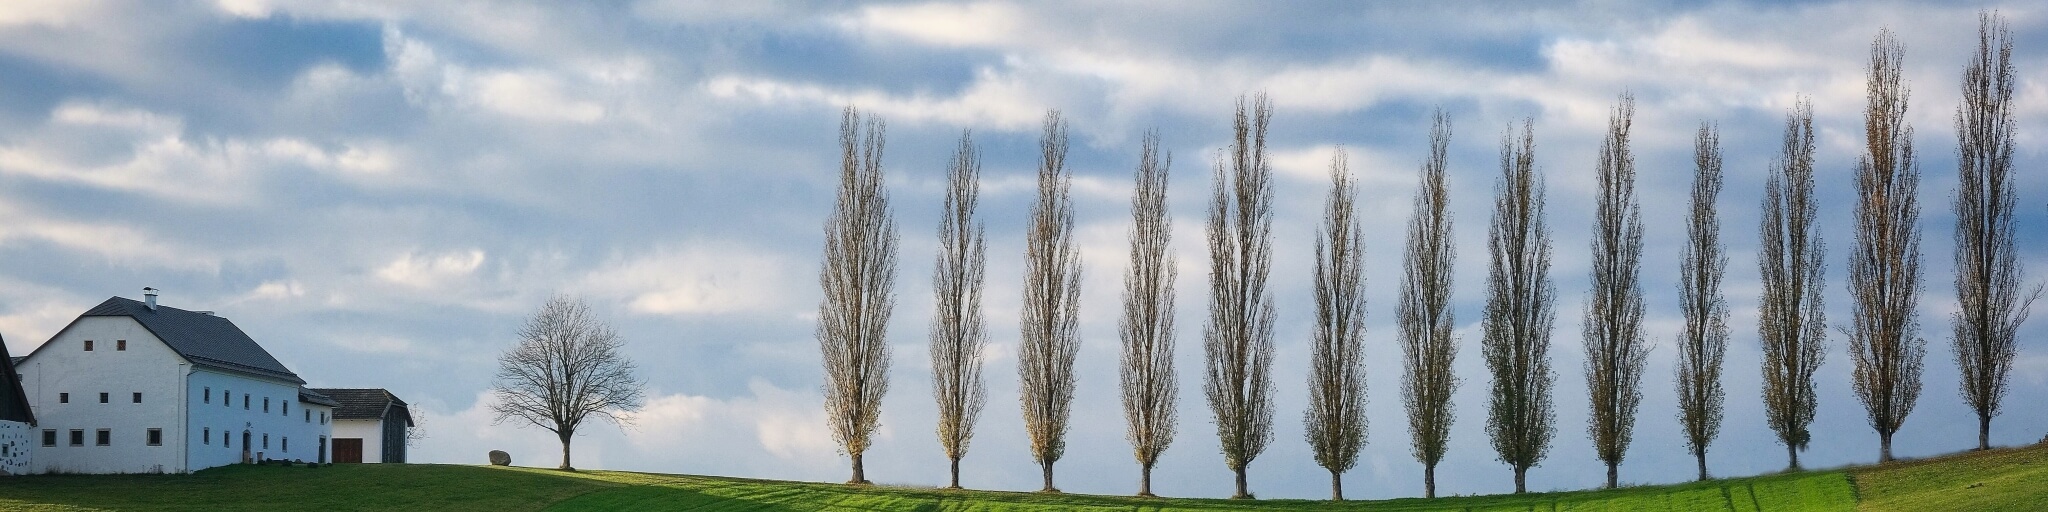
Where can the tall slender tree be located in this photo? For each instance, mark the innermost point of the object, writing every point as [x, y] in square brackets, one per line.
[1150, 387]
[1791, 319]
[858, 280]
[1615, 348]
[1884, 265]
[1427, 345]
[1519, 312]
[1052, 294]
[1237, 342]
[958, 337]
[1335, 421]
[1703, 343]
[1987, 265]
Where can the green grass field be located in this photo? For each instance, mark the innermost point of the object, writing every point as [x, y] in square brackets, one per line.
[2009, 479]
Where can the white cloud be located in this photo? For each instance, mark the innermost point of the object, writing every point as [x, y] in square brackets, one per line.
[701, 277]
[427, 271]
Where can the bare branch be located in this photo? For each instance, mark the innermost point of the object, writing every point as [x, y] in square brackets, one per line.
[1987, 263]
[1703, 343]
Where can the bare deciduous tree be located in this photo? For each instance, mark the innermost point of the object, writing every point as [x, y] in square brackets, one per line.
[1519, 312]
[1987, 265]
[1616, 351]
[957, 335]
[1237, 342]
[858, 279]
[566, 368]
[1703, 343]
[1884, 265]
[1335, 421]
[1150, 387]
[1052, 294]
[1791, 320]
[1427, 345]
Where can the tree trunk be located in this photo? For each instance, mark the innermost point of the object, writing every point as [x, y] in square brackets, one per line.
[956, 474]
[1983, 432]
[1046, 467]
[1703, 464]
[1613, 474]
[860, 474]
[1336, 486]
[1521, 479]
[565, 454]
[1884, 447]
[1429, 481]
[1145, 481]
[1794, 452]
[1242, 492]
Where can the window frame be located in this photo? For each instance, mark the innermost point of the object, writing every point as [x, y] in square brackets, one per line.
[77, 437]
[137, 397]
[88, 345]
[120, 345]
[103, 437]
[153, 437]
[50, 437]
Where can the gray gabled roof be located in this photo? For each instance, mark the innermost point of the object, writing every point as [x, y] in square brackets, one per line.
[314, 397]
[202, 338]
[366, 403]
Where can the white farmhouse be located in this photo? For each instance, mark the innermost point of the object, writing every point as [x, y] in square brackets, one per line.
[370, 425]
[134, 387]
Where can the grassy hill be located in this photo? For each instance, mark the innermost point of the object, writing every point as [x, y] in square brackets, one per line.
[2008, 479]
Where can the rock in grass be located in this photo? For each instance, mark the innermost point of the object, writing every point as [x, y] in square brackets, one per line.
[500, 458]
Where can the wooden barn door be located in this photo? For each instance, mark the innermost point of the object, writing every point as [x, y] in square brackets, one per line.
[348, 450]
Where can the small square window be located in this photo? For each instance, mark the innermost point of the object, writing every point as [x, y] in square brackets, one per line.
[120, 345]
[138, 397]
[155, 437]
[206, 435]
[77, 437]
[63, 398]
[103, 437]
[103, 398]
[49, 437]
[88, 345]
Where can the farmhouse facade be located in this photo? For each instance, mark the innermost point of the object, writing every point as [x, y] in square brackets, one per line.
[136, 387]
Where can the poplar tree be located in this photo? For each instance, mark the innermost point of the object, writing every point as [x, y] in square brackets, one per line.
[1427, 345]
[1791, 317]
[858, 280]
[1335, 421]
[1703, 344]
[1519, 312]
[1884, 264]
[1237, 342]
[1052, 294]
[1987, 264]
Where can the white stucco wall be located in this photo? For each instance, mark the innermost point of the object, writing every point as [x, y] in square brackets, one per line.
[199, 409]
[16, 445]
[230, 404]
[370, 431]
[148, 366]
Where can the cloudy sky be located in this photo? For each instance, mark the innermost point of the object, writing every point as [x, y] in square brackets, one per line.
[380, 192]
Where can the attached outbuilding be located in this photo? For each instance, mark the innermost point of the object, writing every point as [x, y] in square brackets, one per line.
[370, 424]
[17, 419]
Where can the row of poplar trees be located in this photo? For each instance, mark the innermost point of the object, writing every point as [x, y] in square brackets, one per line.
[1884, 283]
